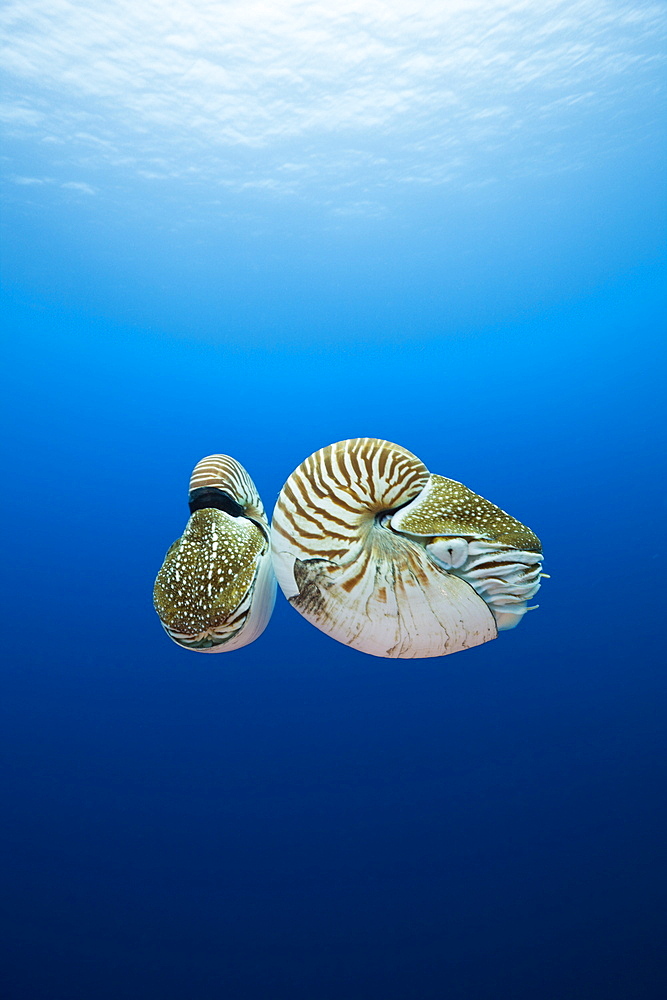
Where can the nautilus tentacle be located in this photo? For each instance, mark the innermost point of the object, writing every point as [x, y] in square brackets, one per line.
[394, 561]
[216, 589]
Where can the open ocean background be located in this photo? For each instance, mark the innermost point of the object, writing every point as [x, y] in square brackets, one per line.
[258, 228]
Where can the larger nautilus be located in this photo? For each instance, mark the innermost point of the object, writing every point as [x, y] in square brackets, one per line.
[216, 589]
[391, 559]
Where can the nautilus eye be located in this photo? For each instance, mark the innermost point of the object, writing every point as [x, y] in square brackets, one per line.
[384, 556]
[216, 589]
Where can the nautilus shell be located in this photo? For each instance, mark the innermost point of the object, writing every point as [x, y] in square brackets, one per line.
[395, 561]
[216, 589]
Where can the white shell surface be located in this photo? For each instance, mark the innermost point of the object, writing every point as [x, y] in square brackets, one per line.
[341, 564]
[216, 589]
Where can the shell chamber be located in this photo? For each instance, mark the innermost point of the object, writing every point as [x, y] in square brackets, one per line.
[395, 561]
[216, 589]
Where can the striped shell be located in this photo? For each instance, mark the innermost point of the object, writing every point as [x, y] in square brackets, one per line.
[216, 589]
[394, 561]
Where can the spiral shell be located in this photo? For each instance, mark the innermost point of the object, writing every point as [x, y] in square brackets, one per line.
[216, 589]
[384, 556]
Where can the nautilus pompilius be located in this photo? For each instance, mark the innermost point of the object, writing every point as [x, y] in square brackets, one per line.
[216, 589]
[395, 561]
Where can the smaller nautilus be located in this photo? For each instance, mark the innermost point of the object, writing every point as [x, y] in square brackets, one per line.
[216, 589]
[393, 560]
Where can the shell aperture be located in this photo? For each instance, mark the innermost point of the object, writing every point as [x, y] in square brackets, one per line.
[392, 560]
[215, 590]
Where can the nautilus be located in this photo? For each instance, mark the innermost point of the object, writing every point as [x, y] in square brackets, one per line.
[216, 589]
[395, 561]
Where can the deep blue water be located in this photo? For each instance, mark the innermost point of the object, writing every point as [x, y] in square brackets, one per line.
[295, 819]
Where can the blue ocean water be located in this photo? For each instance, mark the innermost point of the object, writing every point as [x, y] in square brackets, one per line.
[467, 260]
